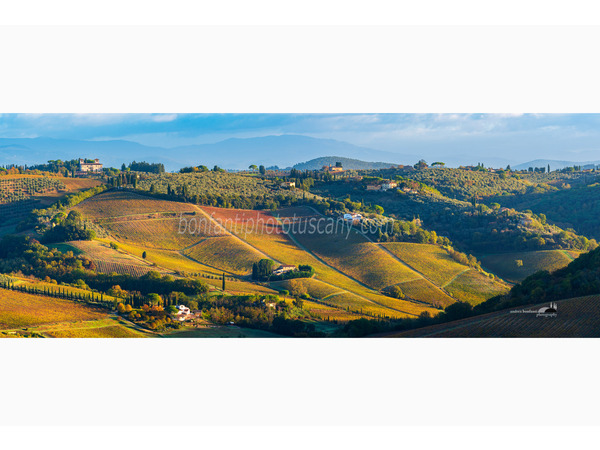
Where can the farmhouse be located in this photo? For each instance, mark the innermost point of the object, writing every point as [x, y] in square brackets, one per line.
[87, 168]
[389, 185]
[373, 187]
[353, 218]
[333, 169]
[288, 184]
[283, 269]
[183, 313]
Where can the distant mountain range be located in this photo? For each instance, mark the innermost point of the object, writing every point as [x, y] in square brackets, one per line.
[347, 163]
[237, 153]
[282, 151]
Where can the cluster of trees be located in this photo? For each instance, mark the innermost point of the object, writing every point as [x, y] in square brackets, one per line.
[403, 231]
[263, 270]
[153, 317]
[576, 207]
[145, 167]
[395, 292]
[71, 228]
[43, 219]
[184, 193]
[265, 312]
[57, 166]
[123, 179]
[462, 258]
[194, 169]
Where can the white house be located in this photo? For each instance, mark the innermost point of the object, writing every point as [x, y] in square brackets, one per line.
[284, 269]
[389, 185]
[183, 313]
[353, 218]
[288, 184]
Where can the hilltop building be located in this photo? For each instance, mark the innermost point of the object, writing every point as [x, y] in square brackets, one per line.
[89, 168]
[334, 169]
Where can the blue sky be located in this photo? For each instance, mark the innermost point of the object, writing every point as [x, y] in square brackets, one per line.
[511, 136]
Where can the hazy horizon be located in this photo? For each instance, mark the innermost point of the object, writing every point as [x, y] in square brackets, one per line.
[510, 138]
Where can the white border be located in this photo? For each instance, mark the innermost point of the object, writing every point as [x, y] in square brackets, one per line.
[295, 382]
[299, 69]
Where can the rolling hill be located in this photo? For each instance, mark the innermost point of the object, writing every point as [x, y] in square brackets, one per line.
[351, 271]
